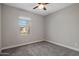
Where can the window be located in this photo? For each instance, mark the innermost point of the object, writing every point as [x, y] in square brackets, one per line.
[25, 25]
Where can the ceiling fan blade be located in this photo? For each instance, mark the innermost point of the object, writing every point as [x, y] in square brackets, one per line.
[35, 7]
[44, 8]
[43, 3]
[39, 3]
[46, 3]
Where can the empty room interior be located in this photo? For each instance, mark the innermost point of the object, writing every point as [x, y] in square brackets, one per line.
[39, 29]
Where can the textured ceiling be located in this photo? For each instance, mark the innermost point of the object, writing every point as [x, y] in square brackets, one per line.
[52, 7]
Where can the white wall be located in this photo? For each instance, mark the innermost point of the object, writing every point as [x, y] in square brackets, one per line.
[0, 27]
[10, 27]
[62, 27]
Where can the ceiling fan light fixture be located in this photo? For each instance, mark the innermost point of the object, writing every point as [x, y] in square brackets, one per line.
[41, 6]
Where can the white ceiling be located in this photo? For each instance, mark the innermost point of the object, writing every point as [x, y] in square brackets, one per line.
[52, 7]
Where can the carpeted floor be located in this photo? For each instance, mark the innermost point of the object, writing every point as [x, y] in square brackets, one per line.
[41, 49]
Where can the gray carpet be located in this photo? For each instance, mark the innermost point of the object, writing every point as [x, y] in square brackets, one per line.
[41, 49]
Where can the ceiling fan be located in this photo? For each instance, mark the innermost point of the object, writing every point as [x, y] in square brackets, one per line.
[41, 6]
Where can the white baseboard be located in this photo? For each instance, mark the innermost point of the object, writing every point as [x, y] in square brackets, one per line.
[40, 41]
[73, 48]
[20, 45]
